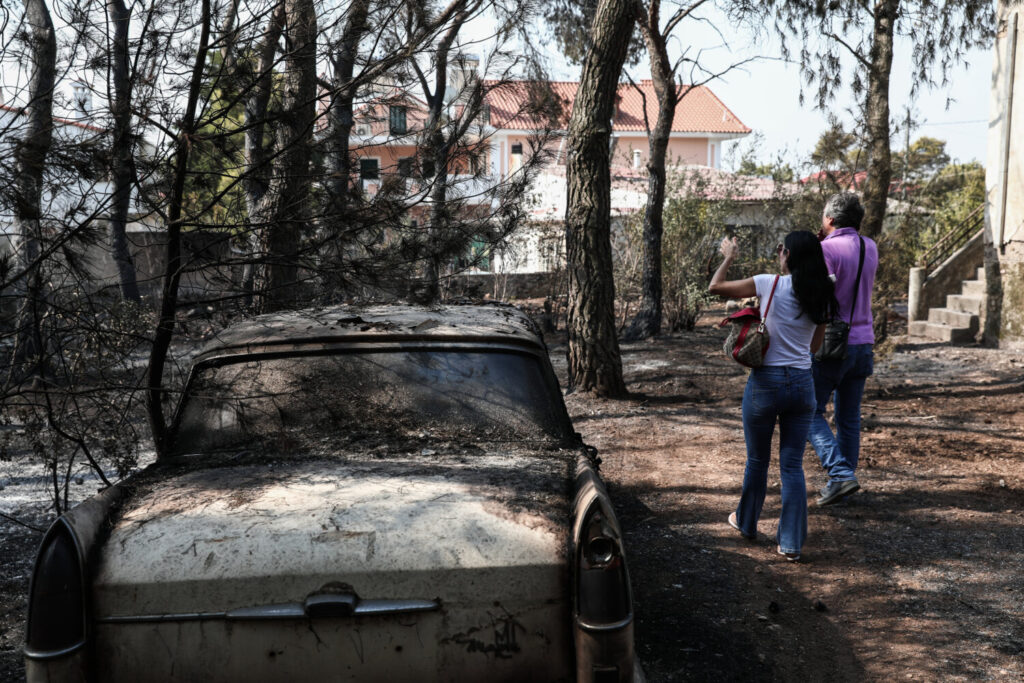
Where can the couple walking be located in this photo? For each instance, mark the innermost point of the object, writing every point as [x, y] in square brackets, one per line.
[820, 281]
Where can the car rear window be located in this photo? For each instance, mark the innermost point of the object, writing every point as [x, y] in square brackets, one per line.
[317, 402]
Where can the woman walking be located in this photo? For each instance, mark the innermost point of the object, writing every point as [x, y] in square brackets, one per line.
[782, 389]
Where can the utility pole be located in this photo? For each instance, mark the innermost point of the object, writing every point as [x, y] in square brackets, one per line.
[906, 158]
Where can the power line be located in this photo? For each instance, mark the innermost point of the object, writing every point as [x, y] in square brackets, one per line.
[952, 123]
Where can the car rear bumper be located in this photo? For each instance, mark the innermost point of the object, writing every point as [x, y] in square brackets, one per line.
[606, 655]
[478, 644]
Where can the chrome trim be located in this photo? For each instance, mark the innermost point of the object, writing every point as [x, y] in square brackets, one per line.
[291, 610]
[151, 618]
[52, 654]
[613, 626]
[396, 606]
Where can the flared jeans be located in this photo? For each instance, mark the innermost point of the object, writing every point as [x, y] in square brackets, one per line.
[784, 395]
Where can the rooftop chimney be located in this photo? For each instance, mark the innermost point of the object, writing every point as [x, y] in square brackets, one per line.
[464, 73]
[81, 100]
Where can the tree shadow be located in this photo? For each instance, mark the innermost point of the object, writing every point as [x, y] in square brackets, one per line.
[706, 612]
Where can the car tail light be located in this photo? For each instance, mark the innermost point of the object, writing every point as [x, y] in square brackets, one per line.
[603, 596]
[56, 610]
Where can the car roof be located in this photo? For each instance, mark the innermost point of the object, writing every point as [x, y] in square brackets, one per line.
[385, 322]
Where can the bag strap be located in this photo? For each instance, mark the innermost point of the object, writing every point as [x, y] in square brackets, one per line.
[764, 318]
[772, 295]
[856, 283]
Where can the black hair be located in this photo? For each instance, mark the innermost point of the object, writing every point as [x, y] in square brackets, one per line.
[845, 208]
[812, 286]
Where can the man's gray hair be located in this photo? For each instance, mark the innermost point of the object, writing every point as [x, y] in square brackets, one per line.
[845, 209]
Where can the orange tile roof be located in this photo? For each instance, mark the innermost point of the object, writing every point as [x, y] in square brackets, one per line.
[18, 111]
[699, 111]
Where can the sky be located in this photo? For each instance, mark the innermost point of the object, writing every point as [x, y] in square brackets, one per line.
[764, 94]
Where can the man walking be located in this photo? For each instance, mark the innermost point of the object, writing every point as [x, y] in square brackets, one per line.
[847, 253]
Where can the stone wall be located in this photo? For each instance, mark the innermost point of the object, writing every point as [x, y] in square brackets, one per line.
[506, 286]
[946, 278]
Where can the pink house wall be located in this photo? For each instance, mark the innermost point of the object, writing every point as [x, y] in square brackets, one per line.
[680, 150]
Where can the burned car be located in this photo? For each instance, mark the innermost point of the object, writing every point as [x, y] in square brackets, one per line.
[387, 493]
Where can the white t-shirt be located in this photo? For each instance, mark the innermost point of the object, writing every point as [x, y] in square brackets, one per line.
[789, 329]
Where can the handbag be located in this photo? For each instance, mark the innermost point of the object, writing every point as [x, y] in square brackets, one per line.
[837, 332]
[747, 341]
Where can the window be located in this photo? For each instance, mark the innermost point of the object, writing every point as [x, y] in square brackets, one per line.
[479, 255]
[307, 399]
[405, 167]
[517, 148]
[428, 168]
[398, 123]
[369, 169]
[551, 253]
[637, 158]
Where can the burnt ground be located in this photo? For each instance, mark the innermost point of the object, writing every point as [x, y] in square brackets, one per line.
[918, 577]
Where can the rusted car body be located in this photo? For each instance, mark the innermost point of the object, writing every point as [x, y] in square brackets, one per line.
[353, 494]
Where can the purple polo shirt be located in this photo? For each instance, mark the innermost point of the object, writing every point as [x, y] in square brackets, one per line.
[842, 252]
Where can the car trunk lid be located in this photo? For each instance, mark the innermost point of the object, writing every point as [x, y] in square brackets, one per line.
[205, 537]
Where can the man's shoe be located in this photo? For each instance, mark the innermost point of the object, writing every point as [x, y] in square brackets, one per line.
[835, 491]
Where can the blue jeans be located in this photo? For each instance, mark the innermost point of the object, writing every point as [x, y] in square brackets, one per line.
[840, 452]
[785, 395]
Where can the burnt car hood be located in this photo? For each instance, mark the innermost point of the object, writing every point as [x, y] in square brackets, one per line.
[459, 527]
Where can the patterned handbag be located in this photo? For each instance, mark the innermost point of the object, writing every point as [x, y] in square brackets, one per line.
[747, 341]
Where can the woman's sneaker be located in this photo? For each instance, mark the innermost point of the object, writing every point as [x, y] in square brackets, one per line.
[835, 491]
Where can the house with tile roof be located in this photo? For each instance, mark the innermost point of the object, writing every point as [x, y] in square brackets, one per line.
[384, 141]
[701, 124]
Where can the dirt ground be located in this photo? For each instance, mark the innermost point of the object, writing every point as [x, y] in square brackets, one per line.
[920, 576]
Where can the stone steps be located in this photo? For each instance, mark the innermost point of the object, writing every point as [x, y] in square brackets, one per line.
[959, 321]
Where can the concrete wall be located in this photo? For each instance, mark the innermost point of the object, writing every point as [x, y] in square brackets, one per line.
[203, 253]
[1004, 180]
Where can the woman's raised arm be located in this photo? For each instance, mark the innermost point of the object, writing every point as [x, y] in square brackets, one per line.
[733, 289]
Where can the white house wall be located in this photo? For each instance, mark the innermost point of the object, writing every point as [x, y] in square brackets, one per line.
[1004, 179]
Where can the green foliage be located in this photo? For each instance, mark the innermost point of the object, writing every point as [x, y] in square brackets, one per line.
[780, 172]
[700, 207]
[839, 150]
[568, 23]
[938, 206]
[214, 196]
[924, 159]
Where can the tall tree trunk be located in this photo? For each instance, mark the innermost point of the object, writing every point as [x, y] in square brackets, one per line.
[594, 362]
[30, 154]
[257, 173]
[438, 150]
[123, 170]
[876, 187]
[169, 296]
[340, 116]
[647, 322]
[340, 120]
[283, 212]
